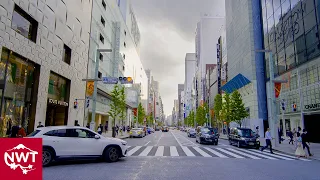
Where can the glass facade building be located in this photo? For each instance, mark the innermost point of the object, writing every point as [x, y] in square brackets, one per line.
[291, 31]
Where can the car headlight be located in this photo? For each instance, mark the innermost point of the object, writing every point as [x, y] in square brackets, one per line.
[139, 132]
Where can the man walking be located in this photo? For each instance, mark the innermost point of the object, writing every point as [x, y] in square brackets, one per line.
[268, 141]
[305, 139]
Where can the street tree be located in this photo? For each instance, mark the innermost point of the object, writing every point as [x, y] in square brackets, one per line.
[200, 115]
[238, 111]
[226, 111]
[122, 105]
[217, 108]
[141, 114]
[191, 119]
[114, 106]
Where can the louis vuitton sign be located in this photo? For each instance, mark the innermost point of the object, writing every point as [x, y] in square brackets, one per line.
[61, 103]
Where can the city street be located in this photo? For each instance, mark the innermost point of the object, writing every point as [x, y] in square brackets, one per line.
[172, 155]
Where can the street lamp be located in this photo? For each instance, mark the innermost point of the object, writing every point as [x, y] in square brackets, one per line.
[94, 97]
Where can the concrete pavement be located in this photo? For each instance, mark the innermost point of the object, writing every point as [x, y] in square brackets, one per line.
[169, 164]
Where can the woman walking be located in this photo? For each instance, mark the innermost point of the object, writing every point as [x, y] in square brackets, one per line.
[299, 151]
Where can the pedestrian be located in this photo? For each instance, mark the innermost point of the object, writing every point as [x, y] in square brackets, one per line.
[268, 141]
[106, 127]
[290, 134]
[305, 140]
[99, 130]
[21, 132]
[117, 129]
[14, 131]
[299, 151]
[298, 135]
[279, 134]
[88, 126]
[257, 131]
[40, 125]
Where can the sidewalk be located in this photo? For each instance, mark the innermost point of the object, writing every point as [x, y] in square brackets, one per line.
[109, 134]
[287, 148]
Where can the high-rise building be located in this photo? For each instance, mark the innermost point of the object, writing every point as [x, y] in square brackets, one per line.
[44, 55]
[190, 69]
[180, 106]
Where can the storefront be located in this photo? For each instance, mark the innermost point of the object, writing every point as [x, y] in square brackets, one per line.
[58, 100]
[19, 79]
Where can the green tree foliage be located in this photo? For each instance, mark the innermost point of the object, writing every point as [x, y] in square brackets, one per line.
[200, 115]
[238, 111]
[141, 114]
[191, 119]
[122, 105]
[218, 107]
[115, 104]
[226, 108]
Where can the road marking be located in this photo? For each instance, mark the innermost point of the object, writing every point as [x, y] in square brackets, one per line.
[133, 150]
[245, 154]
[146, 151]
[292, 157]
[215, 152]
[229, 153]
[187, 151]
[160, 151]
[189, 140]
[173, 151]
[176, 138]
[159, 139]
[257, 154]
[204, 154]
[273, 155]
[146, 143]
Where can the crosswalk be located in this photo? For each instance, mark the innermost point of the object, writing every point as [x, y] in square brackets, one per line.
[202, 151]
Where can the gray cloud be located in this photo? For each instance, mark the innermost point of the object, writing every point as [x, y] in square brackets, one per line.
[167, 33]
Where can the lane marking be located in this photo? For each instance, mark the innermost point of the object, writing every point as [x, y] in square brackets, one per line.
[302, 159]
[160, 151]
[187, 151]
[229, 153]
[245, 154]
[146, 151]
[146, 143]
[215, 152]
[204, 154]
[159, 139]
[173, 151]
[133, 150]
[258, 154]
[176, 139]
[189, 141]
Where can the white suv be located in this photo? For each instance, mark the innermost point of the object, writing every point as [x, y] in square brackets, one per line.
[60, 142]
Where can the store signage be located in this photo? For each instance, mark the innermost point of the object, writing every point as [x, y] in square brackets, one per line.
[312, 106]
[61, 103]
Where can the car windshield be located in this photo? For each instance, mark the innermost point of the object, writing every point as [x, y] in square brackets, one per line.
[137, 129]
[34, 133]
[246, 133]
[207, 130]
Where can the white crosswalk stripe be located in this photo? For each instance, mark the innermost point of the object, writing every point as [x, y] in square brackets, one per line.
[205, 151]
[159, 151]
[146, 151]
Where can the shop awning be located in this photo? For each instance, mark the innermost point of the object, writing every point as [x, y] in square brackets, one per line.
[235, 83]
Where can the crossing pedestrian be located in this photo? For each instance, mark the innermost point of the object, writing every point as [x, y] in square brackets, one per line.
[305, 140]
[268, 141]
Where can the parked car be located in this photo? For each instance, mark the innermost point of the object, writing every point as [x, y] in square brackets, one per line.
[243, 137]
[191, 132]
[206, 135]
[65, 142]
[151, 130]
[137, 132]
[157, 129]
[165, 129]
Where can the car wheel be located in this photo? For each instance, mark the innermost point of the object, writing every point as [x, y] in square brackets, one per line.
[238, 144]
[111, 154]
[47, 156]
[216, 143]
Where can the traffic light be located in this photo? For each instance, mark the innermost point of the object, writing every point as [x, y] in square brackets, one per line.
[75, 104]
[294, 107]
[283, 105]
[126, 80]
[87, 102]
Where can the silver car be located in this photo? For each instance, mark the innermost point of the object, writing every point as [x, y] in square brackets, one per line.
[137, 132]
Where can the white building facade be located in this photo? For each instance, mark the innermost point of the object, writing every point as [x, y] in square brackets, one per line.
[44, 50]
[190, 69]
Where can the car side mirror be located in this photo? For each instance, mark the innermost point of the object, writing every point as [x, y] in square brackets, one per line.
[97, 137]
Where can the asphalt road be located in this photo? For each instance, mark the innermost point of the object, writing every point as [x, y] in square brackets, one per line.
[172, 155]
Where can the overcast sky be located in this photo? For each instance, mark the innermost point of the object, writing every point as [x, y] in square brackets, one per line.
[167, 30]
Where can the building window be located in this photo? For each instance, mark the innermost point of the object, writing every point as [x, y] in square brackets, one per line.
[102, 39]
[125, 32]
[124, 44]
[124, 56]
[24, 24]
[123, 68]
[99, 75]
[104, 4]
[66, 57]
[103, 22]
[101, 57]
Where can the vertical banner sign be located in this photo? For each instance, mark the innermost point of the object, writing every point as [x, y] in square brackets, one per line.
[116, 47]
[90, 88]
[219, 66]
[277, 89]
